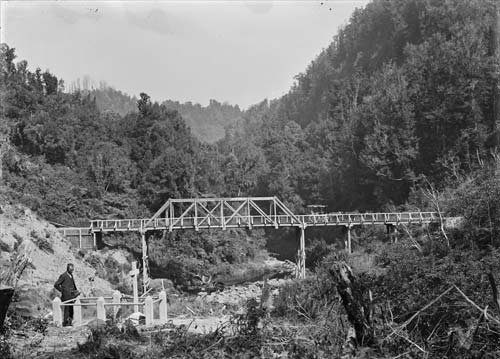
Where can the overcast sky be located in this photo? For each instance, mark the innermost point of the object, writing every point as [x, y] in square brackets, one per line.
[240, 52]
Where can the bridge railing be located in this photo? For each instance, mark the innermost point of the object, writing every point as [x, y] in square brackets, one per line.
[79, 237]
[370, 218]
[212, 221]
[191, 222]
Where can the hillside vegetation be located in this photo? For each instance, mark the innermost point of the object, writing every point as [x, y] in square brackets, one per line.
[68, 161]
[400, 112]
[207, 123]
[405, 90]
[22, 233]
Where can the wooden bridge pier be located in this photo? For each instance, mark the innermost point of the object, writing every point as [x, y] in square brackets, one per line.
[347, 242]
[301, 252]
[392, 232]
[145, 277]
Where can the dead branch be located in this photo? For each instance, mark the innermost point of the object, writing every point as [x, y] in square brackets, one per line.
[432, 194]
[401, 355]
[411, 342]
[413, 240]
[494, 290]
[482, 310]
[402, 326]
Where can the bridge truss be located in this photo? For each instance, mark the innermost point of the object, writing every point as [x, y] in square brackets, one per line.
[248, 212]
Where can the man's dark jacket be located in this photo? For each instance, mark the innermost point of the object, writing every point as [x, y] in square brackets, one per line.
[66, 285]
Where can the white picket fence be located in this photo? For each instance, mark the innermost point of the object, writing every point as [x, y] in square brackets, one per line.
[118, 300]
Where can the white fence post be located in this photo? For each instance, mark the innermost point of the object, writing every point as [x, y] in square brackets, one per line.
[77, 312]
[163, 307]
[116, 299]
[148, 310]
[56, 311]
[101, 312]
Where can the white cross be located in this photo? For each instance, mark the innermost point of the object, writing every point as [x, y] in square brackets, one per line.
[133, 273]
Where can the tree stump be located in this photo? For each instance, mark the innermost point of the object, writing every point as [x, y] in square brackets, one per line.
[353, 300]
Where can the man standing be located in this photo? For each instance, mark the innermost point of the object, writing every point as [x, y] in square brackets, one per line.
[66, 285]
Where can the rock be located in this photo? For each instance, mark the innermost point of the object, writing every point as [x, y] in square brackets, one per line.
[7, 243]
[29, 302]
[120, 256]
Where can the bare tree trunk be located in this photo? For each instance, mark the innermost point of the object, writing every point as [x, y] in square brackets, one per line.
[357, 308]
[433, 195]
[495, 47]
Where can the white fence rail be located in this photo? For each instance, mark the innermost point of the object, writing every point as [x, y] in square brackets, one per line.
[102, 308]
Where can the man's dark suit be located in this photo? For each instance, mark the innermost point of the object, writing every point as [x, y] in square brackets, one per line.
[66, 285]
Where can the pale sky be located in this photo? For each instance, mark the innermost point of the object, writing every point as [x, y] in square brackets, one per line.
[236, 51]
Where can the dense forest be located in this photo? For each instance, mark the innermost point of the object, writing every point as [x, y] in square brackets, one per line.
[207, 123]
[405, 91]
[401, 111]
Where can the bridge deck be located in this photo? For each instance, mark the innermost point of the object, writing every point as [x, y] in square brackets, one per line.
[259, 221]
[239, 212]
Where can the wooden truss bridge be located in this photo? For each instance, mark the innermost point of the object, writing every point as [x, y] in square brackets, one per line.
[241, 212]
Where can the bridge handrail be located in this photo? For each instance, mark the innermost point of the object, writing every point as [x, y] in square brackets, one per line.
[379, 217]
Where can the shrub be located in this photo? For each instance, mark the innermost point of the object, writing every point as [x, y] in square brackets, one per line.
[411, 280]
[94, 261]
[316, 252]
[5, 350]
[98, 343]
[41, 242]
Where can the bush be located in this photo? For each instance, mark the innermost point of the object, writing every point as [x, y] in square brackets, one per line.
[98, 343]
[5, 350]
[411, 280]
[41, 242]
[316, 252]
[185, 257]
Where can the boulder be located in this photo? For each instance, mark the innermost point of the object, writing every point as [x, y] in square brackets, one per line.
[7, 243]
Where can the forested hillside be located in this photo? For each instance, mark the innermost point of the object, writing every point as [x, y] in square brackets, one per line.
[400, 111]
[405, 90]
[404, 96]
[207, 123]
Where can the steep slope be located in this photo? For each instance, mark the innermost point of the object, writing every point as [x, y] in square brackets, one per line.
[21, 231]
